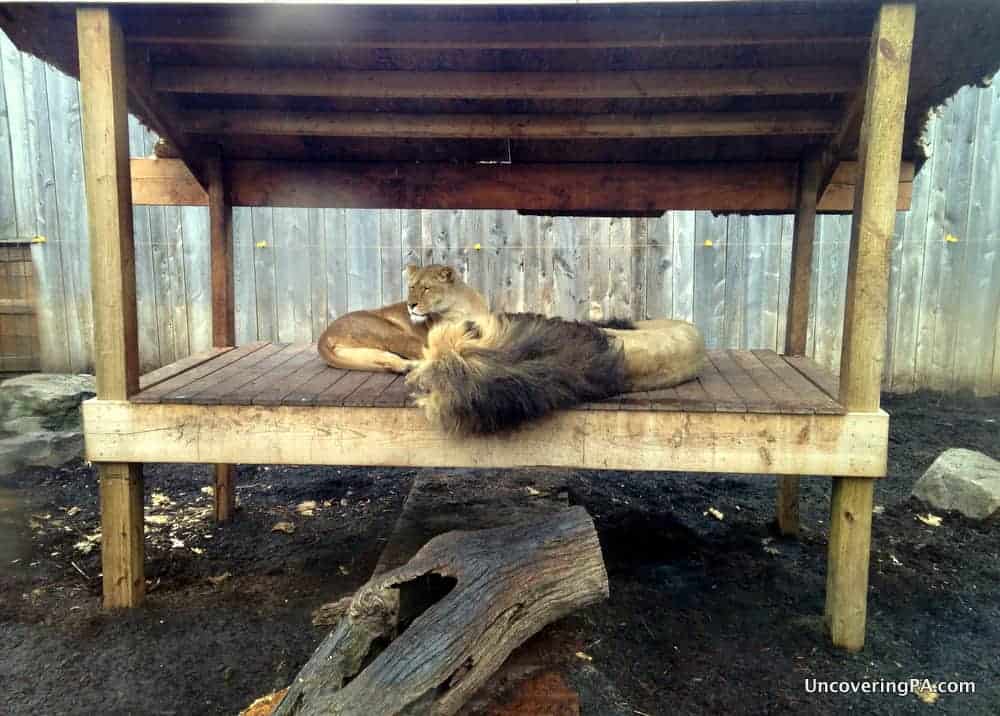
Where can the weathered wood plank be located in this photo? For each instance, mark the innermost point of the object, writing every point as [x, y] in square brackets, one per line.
[854, 444]
[271, 388]
[308, 384]
[34, 197]
[368, 392]
[337, 29]
[784, 398]
[391, 84]
[171, 370]
[874, 214]
[756, 399]
[220, 218]
[244, 279]
[709, 280]
[265, 274]
[797, 326]
[508, 126]
[801, 387]
[104, 118]
[213, 389]
[105, 135]
[640, 188]
[340, 389]
[822, 378]
[176, 384]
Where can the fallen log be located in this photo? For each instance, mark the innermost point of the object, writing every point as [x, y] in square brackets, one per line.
[478, 596]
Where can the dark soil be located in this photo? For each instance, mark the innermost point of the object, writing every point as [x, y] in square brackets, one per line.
[705, 615]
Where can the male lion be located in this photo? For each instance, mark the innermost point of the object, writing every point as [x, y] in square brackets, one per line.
[497, 371]
[391, 339]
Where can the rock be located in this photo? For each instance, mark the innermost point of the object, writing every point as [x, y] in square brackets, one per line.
[962, 480]
[43, 401]
[43, 448]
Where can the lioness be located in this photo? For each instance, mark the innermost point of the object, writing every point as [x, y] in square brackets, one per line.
[392, 338]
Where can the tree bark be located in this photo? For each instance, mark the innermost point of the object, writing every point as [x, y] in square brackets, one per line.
[488, 591]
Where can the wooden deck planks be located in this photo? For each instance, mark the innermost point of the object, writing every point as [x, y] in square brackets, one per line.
[318, 378]
[784, 398]
[756, 399]
[817, 375]
[819, 401]
[158, 392]
[213, 389]
[758, 381]
[171, 370]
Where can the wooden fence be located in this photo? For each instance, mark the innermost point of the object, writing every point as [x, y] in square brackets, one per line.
[298, 269]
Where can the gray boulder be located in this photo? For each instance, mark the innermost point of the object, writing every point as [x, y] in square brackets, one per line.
[40, 419]
[43, 401]
[39, 449]
[962, 480]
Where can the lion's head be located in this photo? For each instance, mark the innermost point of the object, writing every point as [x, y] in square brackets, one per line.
[433, 291]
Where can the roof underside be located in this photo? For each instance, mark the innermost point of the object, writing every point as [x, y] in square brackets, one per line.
[701, 81]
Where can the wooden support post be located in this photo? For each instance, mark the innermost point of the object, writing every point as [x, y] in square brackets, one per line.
[807, 196]
[220, 217]
[865, 316]
[112, 264]
[802, 251]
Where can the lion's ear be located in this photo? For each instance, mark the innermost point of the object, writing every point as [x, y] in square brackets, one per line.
[411, 269]
[447, 274]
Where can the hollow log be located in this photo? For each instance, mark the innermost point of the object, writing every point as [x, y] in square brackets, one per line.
[488, 591]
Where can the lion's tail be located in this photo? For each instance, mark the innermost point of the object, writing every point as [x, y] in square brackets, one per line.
[501, 370]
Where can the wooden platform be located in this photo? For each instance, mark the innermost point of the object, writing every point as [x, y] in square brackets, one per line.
[264, 403]
[293, 374]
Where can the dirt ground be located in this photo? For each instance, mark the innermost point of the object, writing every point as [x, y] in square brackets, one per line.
[705, 615]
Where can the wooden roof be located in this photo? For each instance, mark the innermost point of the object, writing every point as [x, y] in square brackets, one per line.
[520, 83]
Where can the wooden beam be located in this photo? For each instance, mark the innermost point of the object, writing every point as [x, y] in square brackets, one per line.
[160, 111]
[104, 114]
[797, 324]
[874, 208]
[753, 443]
[507, 126]
[802, 252]
[325, 29]
[392, 84]
[742, 186]
[220, 219]
[166, 182]
[880, 146]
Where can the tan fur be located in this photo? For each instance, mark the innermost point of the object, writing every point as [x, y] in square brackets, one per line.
[386, 339]
[661, 355]
[658, 353]
[499, 370]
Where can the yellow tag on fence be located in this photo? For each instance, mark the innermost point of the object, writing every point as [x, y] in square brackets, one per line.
[708, 242]
[951, 239]
[261, 244]
[38, 240]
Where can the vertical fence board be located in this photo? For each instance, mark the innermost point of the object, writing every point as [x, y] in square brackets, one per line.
[709, 287]
[659, 298]
[262, 232]
[620, 250]
[954, 291]
[335, 240]
[363, 277]
[786, 229]
[145, 285]
[244, 283]
[977, 315]
[67, 160]
[738, 282]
